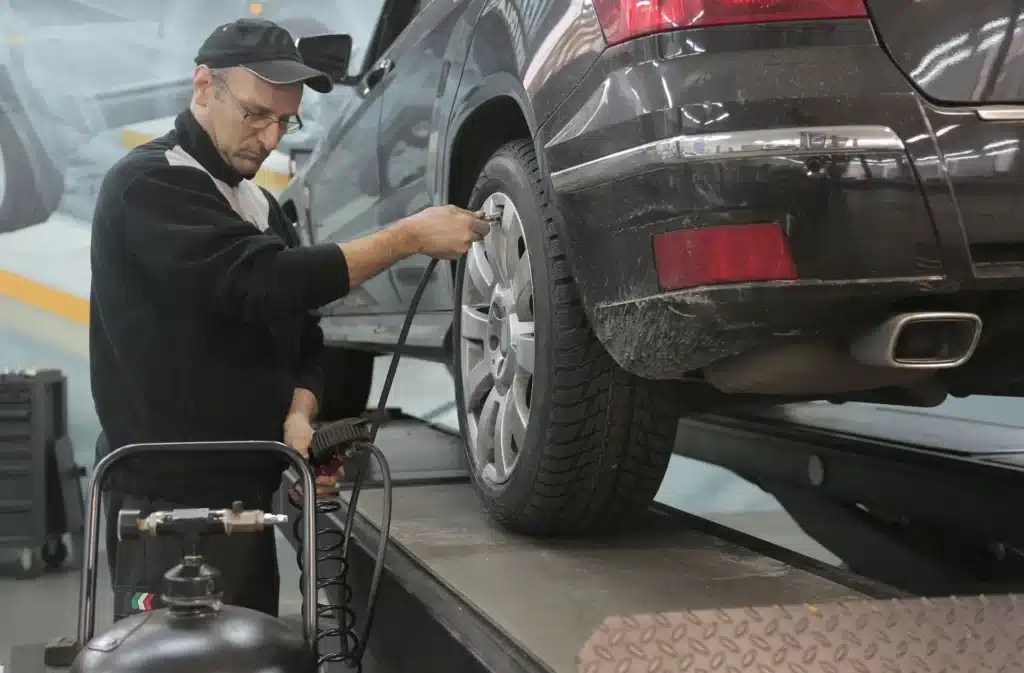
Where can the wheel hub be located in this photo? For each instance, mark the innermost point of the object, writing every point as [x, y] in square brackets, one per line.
[499, 339]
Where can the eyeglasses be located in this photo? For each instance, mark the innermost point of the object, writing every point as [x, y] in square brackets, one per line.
[260, 120]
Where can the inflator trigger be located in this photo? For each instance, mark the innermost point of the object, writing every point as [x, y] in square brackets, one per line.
[338, 440]
[337, 444]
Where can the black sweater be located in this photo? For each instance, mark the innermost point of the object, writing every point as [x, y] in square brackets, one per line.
[200, 314]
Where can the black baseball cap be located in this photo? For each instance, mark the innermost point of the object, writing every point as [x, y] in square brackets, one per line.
[265, 49]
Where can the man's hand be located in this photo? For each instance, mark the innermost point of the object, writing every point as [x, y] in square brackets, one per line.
[446, 232]
[298, 433]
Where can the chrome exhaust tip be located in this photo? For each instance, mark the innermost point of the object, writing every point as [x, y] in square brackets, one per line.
[920, 340]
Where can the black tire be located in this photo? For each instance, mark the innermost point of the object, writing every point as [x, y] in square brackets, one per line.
[598, 440]
[24, 199]
[348, 376]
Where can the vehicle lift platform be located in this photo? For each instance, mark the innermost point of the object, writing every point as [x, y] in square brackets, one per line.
[676, 592]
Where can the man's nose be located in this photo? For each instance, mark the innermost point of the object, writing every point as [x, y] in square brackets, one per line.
[270, 137]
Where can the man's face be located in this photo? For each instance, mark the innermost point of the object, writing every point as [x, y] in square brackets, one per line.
[244, 115]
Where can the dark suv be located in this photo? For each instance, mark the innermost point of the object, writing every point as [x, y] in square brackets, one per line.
[704, 203]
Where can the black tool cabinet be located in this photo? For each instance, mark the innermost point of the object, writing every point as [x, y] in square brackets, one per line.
[41, 498]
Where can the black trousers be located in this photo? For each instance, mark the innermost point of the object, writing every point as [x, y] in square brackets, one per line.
[247, 562]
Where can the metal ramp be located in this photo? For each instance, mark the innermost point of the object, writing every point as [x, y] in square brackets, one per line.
[676, 593]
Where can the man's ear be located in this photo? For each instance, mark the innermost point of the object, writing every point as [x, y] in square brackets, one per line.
[202, 85]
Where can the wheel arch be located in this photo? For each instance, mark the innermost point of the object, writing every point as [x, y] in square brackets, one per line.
[501, 114]
[479, 135]
[500, 104]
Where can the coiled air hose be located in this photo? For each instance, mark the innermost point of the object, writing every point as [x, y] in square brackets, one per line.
[347, 439]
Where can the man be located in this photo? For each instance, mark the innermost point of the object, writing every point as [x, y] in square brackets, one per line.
[200, 313]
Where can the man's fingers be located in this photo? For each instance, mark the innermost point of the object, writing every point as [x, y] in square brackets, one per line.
[480, 228]
[325, 484]
[458, 210]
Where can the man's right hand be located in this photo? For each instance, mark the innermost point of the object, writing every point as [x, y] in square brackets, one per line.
[446, 232]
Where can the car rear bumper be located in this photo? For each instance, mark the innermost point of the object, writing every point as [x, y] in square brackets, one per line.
[809, 126]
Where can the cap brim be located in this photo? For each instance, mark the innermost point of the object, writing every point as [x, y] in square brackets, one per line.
[291, 72]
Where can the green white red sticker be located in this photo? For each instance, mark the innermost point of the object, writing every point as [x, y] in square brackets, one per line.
[143, 601]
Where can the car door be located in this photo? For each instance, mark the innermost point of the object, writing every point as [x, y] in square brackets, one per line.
[343, 180]
[425, 64]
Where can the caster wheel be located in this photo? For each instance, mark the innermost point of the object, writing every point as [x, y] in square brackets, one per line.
[54, 553]
[31, 563]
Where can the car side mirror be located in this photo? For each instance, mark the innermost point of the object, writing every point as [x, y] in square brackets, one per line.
[330, 54]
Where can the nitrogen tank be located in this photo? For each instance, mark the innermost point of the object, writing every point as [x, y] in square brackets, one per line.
[195, 633]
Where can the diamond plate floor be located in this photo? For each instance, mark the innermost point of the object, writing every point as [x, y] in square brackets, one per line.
[976, 634]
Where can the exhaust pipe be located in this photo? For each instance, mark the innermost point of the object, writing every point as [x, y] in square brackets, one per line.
[923, 340]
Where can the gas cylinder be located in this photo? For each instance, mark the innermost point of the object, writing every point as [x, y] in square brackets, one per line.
[196, 633]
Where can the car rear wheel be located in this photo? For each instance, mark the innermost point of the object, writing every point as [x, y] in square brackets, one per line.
[559, 438]
[23, 200]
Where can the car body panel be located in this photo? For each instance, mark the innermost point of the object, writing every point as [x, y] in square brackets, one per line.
[344, 192]
[701, 82]
[428, 60]
[975, 188]
[876, 216]
[954, 51]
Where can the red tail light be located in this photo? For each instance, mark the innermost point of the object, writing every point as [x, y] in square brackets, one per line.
[731, 253]
[625, 19]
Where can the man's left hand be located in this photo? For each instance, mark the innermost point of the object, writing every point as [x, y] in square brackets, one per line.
[298, 433]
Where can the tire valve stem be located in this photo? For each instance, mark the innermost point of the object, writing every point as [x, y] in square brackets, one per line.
[496, 217]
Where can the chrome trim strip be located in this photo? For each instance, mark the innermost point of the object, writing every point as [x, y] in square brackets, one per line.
[1002, 113]
[799, 141]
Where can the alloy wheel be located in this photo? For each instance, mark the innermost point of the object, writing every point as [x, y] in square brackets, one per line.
[496, 343]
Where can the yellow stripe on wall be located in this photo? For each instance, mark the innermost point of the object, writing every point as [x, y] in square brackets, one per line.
[131, 138]
[34, 293]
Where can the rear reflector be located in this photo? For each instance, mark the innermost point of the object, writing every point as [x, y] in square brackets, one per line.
[732, 253]
[626, 19]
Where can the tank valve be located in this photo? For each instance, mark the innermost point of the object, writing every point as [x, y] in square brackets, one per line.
[192, 587]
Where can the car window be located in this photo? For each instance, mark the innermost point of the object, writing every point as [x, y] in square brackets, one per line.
[397, 15]
[358, 19]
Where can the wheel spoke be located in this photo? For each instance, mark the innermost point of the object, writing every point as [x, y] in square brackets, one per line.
[523, 345]
[493, 244]
[480, 272]
[509, 434]
[512, 231]
[522, 288]
[483, 443]
[474, 323]
[479, 382]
